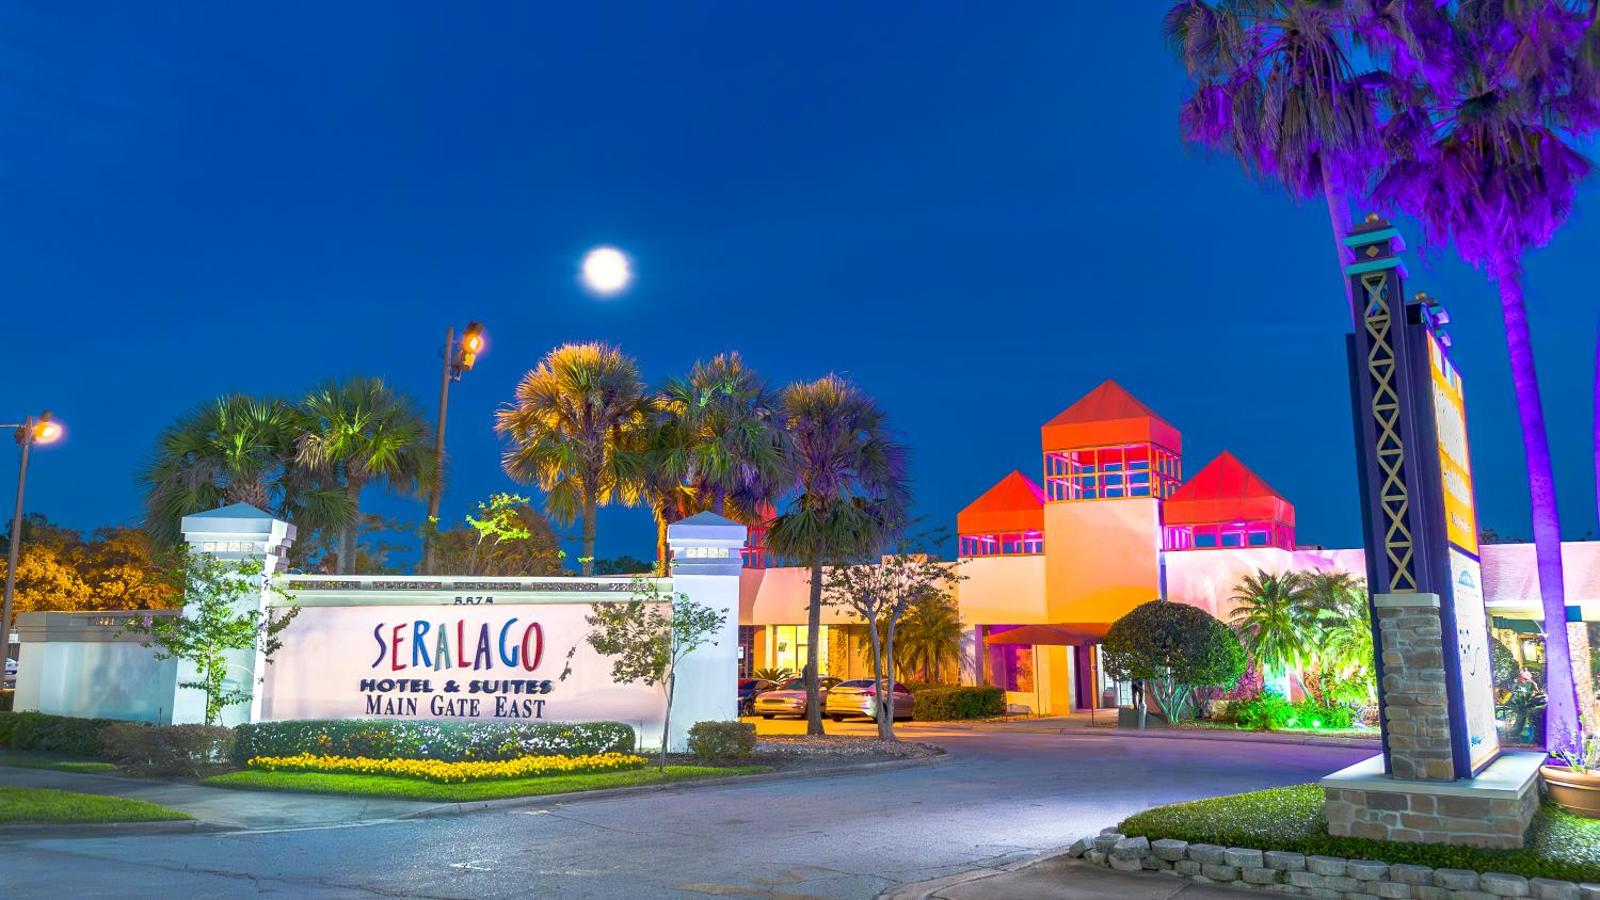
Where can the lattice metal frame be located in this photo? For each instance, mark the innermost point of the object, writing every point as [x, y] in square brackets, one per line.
[1393, 496]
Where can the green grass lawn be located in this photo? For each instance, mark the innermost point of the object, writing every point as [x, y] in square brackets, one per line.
[56, 763]
[417, 789]
[42, 805]
[1560, 845]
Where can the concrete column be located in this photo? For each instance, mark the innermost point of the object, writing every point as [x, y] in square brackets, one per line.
[236, 532]
[705, 567]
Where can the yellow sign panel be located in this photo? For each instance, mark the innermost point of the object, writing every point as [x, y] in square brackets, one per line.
[1450, 419]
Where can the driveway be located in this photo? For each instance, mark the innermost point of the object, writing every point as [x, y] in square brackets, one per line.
[998, 798]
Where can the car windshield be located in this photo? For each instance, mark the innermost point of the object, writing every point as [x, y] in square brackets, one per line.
[859, 682]
[793, 684]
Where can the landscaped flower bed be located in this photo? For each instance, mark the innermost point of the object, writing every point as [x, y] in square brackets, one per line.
[441, 772]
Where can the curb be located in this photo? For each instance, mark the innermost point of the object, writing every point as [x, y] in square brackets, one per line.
[110, 829]
[1249, 737]
[922, 890]
[546, 800]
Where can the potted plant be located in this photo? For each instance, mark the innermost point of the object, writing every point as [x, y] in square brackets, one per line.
[1575, 786]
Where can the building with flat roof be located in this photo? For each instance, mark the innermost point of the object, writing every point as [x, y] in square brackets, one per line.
[1048, 567]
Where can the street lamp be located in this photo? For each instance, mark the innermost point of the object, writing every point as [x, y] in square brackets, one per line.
[30, 431]
[459, 357]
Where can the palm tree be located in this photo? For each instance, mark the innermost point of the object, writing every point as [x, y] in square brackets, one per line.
[850, 475]
[358, 432]
[575, 429]
[734, 426]
[930, 636]
[1341, 621]
[1272, 615]
[1497, 174]
[1275, 86]
[235, 449]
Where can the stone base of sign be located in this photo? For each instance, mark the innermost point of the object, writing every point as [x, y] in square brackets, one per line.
[1491, 810]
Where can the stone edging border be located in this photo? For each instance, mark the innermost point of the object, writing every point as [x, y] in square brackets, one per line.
[543, 800]
[1284, 872]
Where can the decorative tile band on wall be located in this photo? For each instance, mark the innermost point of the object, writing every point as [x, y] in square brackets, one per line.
[1283, 872]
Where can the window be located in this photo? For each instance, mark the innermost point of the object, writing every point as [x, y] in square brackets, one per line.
[1109, 473]
[1013, 543]
[1012, 666]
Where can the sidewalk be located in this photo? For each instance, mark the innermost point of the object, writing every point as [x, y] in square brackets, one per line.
[250, 810]
[1061, 878]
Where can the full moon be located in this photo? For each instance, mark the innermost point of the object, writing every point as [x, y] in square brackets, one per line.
[606, 271]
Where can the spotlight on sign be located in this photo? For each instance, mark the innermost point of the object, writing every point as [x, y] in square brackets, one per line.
[607, 271]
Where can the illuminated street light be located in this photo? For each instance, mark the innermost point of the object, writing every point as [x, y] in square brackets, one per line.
[607, 271]
[30, 431]
[459, 357]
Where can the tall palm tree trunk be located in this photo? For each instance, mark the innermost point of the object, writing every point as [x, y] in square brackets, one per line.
[347, 534]
[1339, 218]
[1561, 715]
[663, 550]
[813, 636]
[589, 506]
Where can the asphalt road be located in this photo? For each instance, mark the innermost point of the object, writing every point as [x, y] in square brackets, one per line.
[998, 798]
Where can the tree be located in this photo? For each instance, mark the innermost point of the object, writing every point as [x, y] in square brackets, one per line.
[734, 430]
[235, 449]
[571, 427]
[1273, 616]
[881, 594]
[116, 568]
[507, 537]
[931, 636]
[1173, 648]
[850, 475]
[622, 565]
[1491, 165]
[358, 432]
[1275, 85]
[376, 543]
[648, 635]
[220, 614]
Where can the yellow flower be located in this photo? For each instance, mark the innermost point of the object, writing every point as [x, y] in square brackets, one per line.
[451, 772]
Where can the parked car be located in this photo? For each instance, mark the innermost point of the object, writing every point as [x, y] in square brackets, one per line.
[789, 698]
[748, 689]
[11, 672]
[860, 698]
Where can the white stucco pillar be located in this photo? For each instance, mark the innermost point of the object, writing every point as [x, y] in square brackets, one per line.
[706, 563]
[234, 532]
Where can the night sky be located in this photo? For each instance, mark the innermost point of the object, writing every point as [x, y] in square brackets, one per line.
[976, 211]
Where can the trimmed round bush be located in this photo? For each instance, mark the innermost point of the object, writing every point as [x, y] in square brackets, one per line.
[943, 704]
[430, 739]
[1174, 648]
[722, 740]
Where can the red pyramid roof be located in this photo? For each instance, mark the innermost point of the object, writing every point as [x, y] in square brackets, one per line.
[1226, 491]
[1108, 416]
[1013, 504]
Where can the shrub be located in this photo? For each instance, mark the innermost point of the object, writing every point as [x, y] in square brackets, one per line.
[935, 704]
[430, 739]
[8, 722]
[1173, 648]
[1271, 712]
[722, 740]
[45, 733]
[8, 699]
[452, 772]
[166, 749]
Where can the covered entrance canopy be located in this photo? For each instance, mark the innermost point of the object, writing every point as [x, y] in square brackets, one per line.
[1071, 633]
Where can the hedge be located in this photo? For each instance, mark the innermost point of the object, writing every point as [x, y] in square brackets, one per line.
[935, 704]
[712, 741]
[44, 733]
[8, 698]
[166, 749]
[429, 739]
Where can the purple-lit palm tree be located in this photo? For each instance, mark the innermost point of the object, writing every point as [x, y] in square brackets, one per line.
[850, 477]
[1276, 88]
[1496, 175]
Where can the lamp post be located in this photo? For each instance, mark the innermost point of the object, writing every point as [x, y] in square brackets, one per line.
[30, 431]
[459, 356]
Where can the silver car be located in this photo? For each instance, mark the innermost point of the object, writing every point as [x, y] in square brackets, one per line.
[860, 698]
[790, 698]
